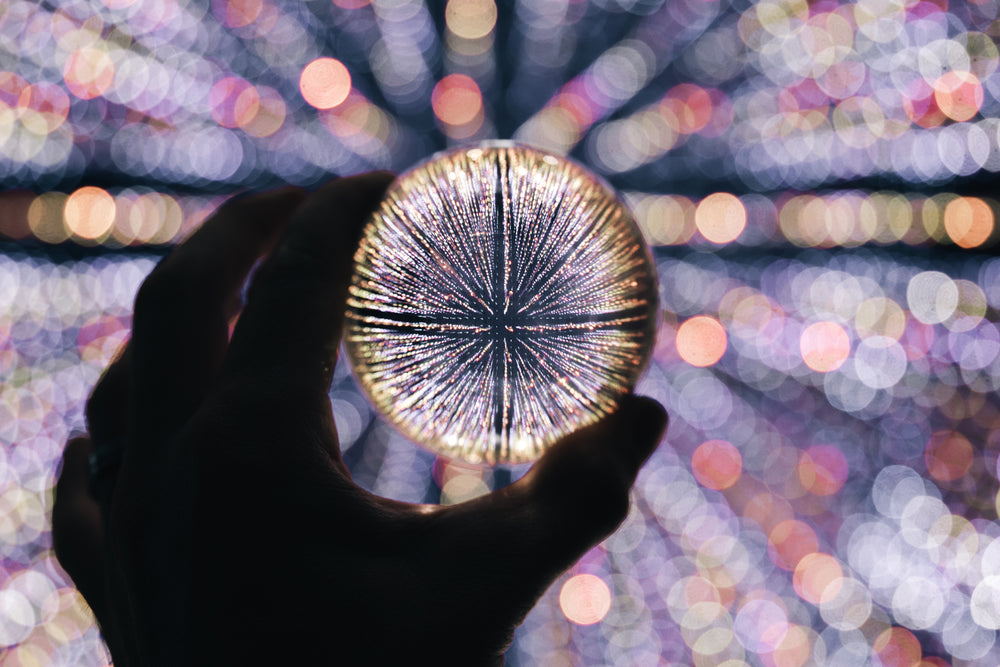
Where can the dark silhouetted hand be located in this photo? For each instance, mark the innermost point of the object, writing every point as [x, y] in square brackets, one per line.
[231, 532]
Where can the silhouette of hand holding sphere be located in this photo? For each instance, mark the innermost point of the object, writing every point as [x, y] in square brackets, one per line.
[231, 532]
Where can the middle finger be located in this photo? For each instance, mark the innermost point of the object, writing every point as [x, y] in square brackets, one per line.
[181, 320]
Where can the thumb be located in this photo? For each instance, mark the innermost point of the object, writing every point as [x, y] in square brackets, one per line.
[526, 534]
[580, 487]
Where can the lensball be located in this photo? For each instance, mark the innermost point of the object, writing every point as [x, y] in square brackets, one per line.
[501, 298]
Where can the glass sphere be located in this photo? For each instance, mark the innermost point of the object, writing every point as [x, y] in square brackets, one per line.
[501, 298]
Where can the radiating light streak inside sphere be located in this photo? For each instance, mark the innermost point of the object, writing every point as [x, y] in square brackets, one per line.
[502, 298]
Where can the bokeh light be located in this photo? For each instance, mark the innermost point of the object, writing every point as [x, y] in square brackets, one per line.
[948, 456]
[471, 19]
[458, 105]
[701, 341]
[789, 542]
[959, 95]
[818, 578]
[720, 217]
[325, 83]
[716, 464]
[817, 181]
[235, 102]
[968, 221]
[88, 72]
[585, 599]
[89, 213]
[822, 469]
[824, 346]
[896, 647]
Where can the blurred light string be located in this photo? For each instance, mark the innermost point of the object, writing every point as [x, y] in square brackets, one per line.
[776, 95]
[828, 491]
[845, 219]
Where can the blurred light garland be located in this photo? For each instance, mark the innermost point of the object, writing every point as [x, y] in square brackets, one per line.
[816, 180]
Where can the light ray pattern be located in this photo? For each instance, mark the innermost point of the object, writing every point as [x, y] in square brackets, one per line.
[491, 277]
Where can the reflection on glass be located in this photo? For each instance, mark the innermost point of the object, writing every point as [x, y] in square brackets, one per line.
[502, 297]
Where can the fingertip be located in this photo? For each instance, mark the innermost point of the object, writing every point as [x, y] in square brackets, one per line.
[289, 195]
[368, 187]
[348, 201]
[295, 304]
[367, 190]
[332, 218]
[645, 419]
[265, 212]
[287, 192]
[375, 180]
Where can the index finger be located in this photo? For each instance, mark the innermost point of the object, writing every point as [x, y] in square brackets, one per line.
[289, 331]
[182, 310]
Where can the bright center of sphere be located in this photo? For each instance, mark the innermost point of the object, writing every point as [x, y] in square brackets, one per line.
[502, 298]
